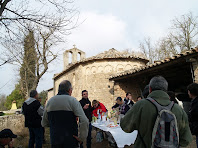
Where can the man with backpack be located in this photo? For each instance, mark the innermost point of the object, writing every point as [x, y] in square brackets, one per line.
[160, 122]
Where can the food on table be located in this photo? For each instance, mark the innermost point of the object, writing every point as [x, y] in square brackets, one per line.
[112, 125]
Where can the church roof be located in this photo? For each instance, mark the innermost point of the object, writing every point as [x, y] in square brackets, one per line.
[110, 54]
[113, 53]
[192, 52]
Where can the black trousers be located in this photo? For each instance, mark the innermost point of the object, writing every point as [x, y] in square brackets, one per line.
[62, 146]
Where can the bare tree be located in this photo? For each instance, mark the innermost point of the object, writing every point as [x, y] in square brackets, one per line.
[183, 36]
[130, 51]
[148, 49]
[184, 32]
[59, 15]
[158, 50]
[164, 49]
[45, 42]
[2, 102]
[48, 13]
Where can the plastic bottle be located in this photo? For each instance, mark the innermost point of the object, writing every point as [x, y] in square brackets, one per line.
[93, 119]
[99, 117]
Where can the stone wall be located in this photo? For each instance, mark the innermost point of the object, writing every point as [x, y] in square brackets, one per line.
[195, 68]
[15, 123]
[121, 88]
[50, 94]
[94, 77]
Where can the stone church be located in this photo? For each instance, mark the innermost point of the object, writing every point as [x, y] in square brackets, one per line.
[93, 73]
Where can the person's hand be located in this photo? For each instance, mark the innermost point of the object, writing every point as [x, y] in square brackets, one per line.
[77, 139]
[86, 106]
[10, 145]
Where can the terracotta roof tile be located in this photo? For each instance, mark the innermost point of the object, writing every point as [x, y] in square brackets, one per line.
[132, 71]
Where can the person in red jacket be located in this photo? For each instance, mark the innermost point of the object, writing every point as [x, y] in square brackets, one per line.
[98, 106]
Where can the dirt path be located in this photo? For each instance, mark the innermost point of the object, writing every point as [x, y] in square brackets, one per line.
[22, 142]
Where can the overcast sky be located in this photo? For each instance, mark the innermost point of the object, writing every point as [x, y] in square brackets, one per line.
[119, 24]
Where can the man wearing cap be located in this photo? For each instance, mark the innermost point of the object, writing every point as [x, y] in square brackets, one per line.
[33, 111]
[6, 136]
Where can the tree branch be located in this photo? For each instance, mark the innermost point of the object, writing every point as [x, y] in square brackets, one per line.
[3, 6]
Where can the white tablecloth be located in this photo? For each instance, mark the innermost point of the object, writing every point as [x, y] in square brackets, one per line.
[118, 134]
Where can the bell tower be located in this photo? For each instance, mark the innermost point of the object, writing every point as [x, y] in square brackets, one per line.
[74, 52]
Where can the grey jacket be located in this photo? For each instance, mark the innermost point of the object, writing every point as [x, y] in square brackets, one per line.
[29, 101]
[62, 110]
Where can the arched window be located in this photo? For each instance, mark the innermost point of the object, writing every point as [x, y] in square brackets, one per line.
[70, 57]
[78, 56]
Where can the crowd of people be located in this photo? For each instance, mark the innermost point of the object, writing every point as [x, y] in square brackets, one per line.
[70, 120]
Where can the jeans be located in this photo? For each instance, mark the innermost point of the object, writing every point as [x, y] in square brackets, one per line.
[36, 136]
[197, 140]
[88, 137]
[43, 134]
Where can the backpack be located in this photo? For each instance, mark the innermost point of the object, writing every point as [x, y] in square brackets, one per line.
[165, 131]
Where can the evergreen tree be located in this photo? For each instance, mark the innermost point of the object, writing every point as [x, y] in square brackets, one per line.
[43, 96]
[27, 70]
[16, 95]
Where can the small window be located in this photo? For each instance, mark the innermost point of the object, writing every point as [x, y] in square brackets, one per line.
[70, 57]
[78, 56]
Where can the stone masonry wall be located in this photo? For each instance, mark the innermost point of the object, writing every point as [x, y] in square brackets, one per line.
[15, 123]
[195, 68]
[121, 88]
[50, 94]
[94, 77]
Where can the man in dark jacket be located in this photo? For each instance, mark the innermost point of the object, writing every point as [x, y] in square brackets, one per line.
[33, 111]
[128, 100]
[193, 112]
[86, 105]
[60, 115]
[145, 92]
